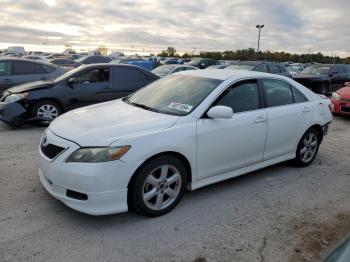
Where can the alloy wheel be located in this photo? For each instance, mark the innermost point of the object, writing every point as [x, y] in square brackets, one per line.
[48, 112]
[309, 148]
[161, 187]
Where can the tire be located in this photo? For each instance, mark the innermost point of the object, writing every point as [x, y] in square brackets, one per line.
[308, 147]
[46, 108]
[158, 186]
[322, 89]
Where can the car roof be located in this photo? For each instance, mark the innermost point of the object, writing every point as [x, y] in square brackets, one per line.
[223, 74]
[14, 59]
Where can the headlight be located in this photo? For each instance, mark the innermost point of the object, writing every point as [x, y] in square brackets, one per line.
[335, 96]
[97, 154]
[14, 97]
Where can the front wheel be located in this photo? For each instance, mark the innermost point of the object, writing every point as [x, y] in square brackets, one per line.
[308, 147]
[46, 111]
[159, 186]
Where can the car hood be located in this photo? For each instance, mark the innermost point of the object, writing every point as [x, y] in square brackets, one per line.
[102, 124]
[30, 86]
[344, 93]
[308, 76]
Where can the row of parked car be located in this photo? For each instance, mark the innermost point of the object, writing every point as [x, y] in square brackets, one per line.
[42, 91]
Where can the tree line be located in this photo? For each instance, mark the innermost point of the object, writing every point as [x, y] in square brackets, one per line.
[251, 54]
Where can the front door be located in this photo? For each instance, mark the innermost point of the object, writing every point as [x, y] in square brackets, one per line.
[227, 144]
[90, 87]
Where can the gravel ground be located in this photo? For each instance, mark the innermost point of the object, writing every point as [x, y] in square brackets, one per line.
[280, 213]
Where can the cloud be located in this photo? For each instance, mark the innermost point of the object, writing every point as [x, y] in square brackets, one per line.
[294, 26]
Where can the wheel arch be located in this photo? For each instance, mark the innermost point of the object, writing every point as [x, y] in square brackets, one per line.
[47, 99]
[178, 155]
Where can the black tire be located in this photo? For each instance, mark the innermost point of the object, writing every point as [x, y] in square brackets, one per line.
[300, 159]
[322, 89]
[138, 185]
[36, 115]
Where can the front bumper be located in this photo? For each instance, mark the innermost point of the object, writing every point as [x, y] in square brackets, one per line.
[103, 185]
[13, 113]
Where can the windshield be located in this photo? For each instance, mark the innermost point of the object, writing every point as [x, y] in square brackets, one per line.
[318, 70]
[241, 67]
[174, 95]
[68, 74]
[163, 70]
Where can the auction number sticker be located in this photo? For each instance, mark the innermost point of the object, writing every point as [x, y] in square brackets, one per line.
[180, 107]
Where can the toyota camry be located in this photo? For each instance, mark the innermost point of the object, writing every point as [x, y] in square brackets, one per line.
[185, 131]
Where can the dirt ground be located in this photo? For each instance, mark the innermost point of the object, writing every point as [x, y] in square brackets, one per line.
[280, 213]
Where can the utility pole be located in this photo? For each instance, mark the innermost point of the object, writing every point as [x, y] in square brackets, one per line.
[259, 28]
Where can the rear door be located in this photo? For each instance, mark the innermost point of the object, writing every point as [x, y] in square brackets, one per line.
[24, 72]
[289, 115]
[338, 77]
[6, 80]
[126, 80]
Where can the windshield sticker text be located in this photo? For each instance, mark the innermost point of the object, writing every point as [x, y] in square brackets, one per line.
[180, 107]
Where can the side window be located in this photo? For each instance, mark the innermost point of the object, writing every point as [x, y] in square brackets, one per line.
[5, 68]
[94, 76]
[48, 69]
[283, 69]
[261, 68]
[274, 69]
[129, 78]
[278, 93]
[25, 68]
[298, 97]
[241, 97]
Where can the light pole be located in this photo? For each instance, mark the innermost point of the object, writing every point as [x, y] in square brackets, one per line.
[259, 27]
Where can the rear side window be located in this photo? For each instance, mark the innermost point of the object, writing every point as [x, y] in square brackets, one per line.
[274, 69]
[278, 93]
[25, 68]
[298, 97]
[49, 69]
[5, 68]
[128, 75]
[243, 96]
[261, 68]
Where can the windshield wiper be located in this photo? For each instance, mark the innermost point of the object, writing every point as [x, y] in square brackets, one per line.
[144, 107]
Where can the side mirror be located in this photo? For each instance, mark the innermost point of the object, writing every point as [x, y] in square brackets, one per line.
[71, 81]
[220, 112]
[333, 74]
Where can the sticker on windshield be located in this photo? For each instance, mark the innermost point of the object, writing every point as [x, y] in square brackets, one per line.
[180, 107]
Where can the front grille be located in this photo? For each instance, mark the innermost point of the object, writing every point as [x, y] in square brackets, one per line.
[345, 109]
[51, 151]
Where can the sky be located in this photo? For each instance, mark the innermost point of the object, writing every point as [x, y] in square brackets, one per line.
[190, 26]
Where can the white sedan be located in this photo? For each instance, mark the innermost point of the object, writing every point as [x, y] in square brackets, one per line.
[185, 131]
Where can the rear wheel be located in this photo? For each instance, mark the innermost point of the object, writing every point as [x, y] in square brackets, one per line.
[159, 186]
[46, 111]
[308, 147]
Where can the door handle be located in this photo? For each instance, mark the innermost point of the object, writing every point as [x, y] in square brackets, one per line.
[260, 119]
[306, 110]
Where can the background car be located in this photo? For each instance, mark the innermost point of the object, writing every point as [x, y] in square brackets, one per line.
[217, 66]
[63, 62]
[341, 100]
[324, 78]
[294, 69]
[14, 71]
[44, 101]
[165, 70]
[202, 63]
[93, 59]
[260, 66]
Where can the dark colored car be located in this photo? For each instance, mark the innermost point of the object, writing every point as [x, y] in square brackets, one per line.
[261, 66]
[202, 63]
[94, 59]
[324, 78]
[65, 62]
[44, 101]
[15, 71]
